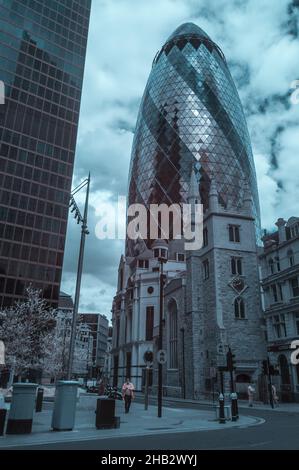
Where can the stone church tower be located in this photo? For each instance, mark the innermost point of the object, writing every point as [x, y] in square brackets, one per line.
[222, 295]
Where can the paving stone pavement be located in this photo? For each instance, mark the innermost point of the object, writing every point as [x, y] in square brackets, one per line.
[137, 423]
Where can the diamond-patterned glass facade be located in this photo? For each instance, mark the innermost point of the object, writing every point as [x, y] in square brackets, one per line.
[191, 117]
[42, 57]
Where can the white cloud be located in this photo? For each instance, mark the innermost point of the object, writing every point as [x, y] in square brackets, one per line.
[124, 38]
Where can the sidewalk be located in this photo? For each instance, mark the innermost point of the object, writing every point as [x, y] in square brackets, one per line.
[137, 423]
[285, 407]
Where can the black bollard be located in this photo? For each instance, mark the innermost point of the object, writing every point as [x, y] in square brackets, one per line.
[235, 412]
[221, 409]
[39, 400]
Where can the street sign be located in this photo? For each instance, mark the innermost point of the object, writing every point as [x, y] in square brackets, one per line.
[161, 356]
[221, 358]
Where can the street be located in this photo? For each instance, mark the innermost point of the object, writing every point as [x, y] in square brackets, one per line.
[279, 432]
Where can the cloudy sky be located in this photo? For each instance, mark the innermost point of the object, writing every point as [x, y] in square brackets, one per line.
[260, 41]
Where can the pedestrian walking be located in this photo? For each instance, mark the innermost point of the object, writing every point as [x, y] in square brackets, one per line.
[275, 396]
[251, 392]
[101, 389]
[128, 394]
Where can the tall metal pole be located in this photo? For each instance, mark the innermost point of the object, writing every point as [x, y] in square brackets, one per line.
[78, 283]
[183, 361]
[160, 370]
[146, 387]
[231, 372]
[221, 382]
[270, 384]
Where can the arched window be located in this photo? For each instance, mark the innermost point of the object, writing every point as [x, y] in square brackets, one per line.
[206, 269]
[236, 265]
[290, 256]
[243, 378]
[277, 263]
[173, 334]
[271, 266]
[239, 306]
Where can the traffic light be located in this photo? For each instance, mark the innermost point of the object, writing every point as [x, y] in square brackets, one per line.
[230, 359]
[265, 367]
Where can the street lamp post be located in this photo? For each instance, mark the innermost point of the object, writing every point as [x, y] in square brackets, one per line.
[183, 362]
[270, 383]
[160, 343]
[83, 221]
[162, 260]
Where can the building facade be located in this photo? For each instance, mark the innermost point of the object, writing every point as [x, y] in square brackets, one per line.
[215, 305]
[279, 261]
[84, 340]
[107, 368]
[190, 117]
[42, 57]
[99, 326]
[102, 342]
[135, 311]
[191, 144]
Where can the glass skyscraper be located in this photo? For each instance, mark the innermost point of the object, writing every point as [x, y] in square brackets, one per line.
[190, 117]
[42, 57]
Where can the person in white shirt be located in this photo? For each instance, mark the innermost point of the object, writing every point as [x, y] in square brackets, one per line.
[128, 394]
[251, 392]
[274, 395]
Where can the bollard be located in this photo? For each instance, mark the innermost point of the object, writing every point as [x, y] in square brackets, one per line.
[63, 417]
[221, 409]
[235, 411]
[20, 415]
[39, 400]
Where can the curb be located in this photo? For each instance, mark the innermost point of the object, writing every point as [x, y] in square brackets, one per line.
[68, 438]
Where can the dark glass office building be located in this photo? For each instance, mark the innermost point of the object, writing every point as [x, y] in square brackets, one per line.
[42, 56]
[190, 116]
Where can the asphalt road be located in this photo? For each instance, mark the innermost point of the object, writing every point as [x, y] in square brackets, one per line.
[279, 432]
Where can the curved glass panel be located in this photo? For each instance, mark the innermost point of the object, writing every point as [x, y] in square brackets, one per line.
[191, 116]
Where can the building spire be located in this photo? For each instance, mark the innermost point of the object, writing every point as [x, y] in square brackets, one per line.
[193, 194]
[247, 199]
[213, 196]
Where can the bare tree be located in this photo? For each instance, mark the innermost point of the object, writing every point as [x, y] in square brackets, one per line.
[57, 356]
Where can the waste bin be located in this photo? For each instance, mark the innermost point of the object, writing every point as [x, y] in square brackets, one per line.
[39, 400]
[105, 413]
[20, 415]
[63, 417]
